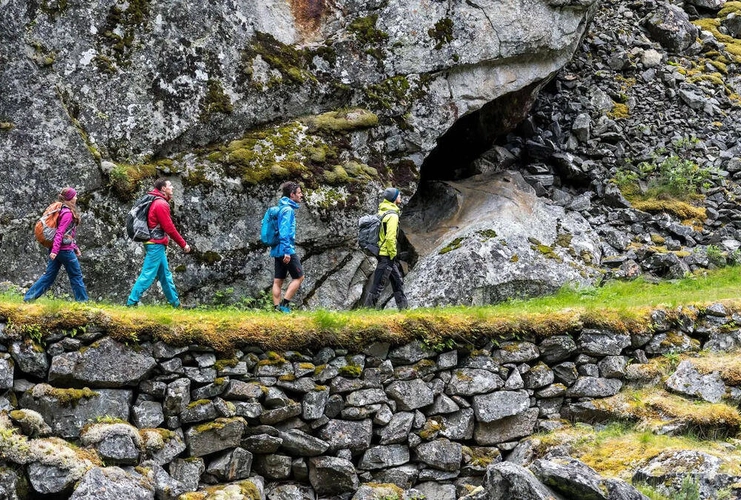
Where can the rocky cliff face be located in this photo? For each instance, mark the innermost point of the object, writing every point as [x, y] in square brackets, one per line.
[637, 135]
[230, 99]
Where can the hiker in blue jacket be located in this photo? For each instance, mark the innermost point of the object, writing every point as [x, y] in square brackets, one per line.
[284, 253]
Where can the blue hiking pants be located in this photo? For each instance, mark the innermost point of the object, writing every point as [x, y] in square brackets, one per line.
[68, 259]
[155, 267]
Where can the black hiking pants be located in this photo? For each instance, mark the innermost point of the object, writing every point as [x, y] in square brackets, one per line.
[386, 270]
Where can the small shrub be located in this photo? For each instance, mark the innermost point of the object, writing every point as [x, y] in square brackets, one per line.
[716, 256]
[677, 174]
[690, 489]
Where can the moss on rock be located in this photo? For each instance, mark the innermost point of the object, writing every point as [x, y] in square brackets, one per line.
[344, 120]
[124, 179]
[442, 32]
[453, 245]
[369, 36]
[288, 61]
[65, 397]
[215, 101]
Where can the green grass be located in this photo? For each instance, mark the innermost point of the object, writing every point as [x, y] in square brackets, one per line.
[622, 306]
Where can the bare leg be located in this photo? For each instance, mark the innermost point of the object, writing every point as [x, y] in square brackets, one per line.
[292, 288]
[277, 285]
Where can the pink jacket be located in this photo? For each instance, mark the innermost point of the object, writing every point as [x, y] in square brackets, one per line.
[65, 237]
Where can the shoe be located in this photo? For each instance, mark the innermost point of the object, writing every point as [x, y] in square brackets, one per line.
[284, 309]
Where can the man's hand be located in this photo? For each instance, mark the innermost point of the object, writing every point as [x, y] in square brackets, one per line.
[186, 248]
[286, 259]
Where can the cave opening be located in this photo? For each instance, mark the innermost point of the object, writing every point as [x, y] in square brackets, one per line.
[468, 148]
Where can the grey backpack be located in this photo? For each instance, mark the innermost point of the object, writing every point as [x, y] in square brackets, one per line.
[369, 232]
[136, 221]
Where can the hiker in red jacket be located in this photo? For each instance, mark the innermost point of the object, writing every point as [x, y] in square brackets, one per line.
[155, 262]
[64, 251]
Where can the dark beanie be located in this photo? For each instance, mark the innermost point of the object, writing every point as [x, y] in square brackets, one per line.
[390, 194]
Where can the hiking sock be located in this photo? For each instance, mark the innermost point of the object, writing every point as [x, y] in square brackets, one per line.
[285, 302]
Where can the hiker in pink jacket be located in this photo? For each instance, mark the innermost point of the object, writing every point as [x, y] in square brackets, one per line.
[64, 251]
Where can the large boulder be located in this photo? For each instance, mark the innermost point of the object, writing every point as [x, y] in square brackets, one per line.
[105, 363]
[506, 480]
[518, 245]
[570, 477]
[66, 411]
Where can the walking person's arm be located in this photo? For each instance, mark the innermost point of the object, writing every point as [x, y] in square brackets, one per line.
[65, 219]
[164, 219]
[392, 226]
[286, 228]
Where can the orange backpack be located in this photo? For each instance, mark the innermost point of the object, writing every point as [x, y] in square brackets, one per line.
[46, 226]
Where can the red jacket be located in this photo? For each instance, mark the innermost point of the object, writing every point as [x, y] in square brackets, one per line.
[159, 214]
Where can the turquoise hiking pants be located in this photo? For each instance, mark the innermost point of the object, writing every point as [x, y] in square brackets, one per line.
[155, 267]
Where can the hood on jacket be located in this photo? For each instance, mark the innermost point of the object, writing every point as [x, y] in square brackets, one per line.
[386, 205]
[287, 202]
[157, 192]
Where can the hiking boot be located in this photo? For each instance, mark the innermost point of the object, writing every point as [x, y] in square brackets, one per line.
[284, 309]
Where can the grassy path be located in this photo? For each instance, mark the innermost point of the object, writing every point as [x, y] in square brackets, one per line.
[621, 306]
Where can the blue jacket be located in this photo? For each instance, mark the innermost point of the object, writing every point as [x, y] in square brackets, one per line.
[286, 228]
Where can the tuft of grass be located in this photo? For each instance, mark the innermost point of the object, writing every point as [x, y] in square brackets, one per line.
[681, 209]
[655, 408]
[727, 364]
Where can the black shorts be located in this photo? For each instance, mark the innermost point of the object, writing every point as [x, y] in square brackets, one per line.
[293, 268]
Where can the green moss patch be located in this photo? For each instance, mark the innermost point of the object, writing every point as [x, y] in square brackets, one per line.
[124, 179]
[289, 62]
[453, 245]
[69, 397]
[215, 101]
[442, 32]
[344, 120]
[372, 39]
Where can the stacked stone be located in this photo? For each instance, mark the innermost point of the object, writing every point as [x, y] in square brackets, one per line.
[296, 423]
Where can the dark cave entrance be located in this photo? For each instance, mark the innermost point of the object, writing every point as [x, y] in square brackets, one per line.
[473, 145]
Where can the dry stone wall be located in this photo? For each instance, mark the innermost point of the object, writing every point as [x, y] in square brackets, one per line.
[77, 413]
